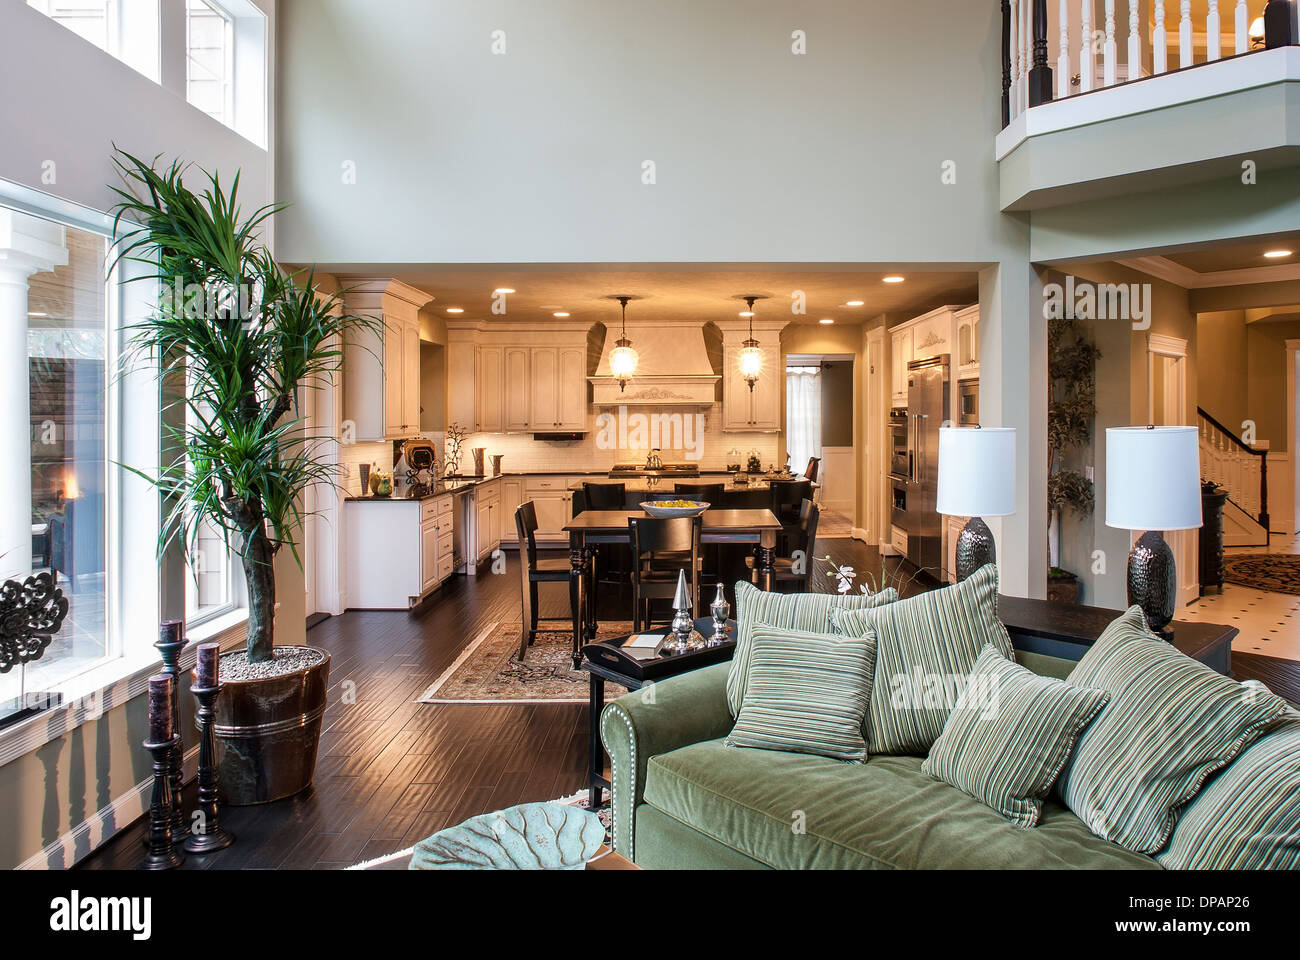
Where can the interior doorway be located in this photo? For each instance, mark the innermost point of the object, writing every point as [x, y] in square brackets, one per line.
[1293, 427]
[1167, 407]
[820, 425]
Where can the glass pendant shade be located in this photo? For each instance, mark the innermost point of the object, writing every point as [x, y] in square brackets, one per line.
[751, 362]
[622, 362]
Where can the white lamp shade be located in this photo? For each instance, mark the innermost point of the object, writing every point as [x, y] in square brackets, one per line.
[977, 472]
[1153, 478]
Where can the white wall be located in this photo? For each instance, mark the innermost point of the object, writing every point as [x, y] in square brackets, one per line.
[762, 155]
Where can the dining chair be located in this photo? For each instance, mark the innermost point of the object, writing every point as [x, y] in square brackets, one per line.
[660, 549]
[787, 500]
[613, 560]
[814, 463]
[710, 493]
[788, 571]
[534, 570]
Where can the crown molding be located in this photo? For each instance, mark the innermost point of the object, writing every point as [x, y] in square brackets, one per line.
[1162, 268]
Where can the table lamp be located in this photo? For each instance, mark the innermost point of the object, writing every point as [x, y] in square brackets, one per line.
[977, 478]
[1153, 483]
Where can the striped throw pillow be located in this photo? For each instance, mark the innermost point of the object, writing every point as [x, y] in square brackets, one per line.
[926, 647]
[807, 693]
[1009, 735]
[1171, 722]
[1247, 817]
[803, 612]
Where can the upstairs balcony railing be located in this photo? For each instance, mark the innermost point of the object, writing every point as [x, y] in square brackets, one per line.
[1092, 54]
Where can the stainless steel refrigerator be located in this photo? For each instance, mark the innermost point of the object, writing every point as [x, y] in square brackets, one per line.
[928, 406]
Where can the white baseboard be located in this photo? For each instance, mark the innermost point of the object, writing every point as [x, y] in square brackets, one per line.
[857, 533]
[106, 823]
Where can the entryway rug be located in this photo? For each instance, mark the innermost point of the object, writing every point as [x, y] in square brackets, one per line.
[489, 669]
[1274, 572]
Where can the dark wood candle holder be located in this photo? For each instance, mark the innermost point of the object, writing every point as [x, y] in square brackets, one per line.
[161, 848]
[171, 641]
[211, 837]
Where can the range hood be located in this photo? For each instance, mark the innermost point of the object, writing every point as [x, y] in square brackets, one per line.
[673, 368]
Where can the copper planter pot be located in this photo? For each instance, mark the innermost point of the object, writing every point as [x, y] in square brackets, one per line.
[267, 733]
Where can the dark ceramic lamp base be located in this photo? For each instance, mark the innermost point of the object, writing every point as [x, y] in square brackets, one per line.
[1152, 582]
[975, 548]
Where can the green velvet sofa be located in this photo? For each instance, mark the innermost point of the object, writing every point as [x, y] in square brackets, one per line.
[682, 800]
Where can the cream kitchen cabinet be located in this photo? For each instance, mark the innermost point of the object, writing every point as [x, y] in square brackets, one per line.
[554, 504]
[491, 390]
[487, 527]
[757, 410]
[517, 366]
[947, 331]
[512, 496]
[398, 551]
[901, 355]
[462, 384]
[381, 368]
[558, 390]
[967, 343]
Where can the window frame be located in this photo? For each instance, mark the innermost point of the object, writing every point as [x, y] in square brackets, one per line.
[227, 118]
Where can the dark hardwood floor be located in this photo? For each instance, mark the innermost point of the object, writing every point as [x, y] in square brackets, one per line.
[390, 772]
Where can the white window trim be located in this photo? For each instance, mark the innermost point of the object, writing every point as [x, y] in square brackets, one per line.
[110, 684]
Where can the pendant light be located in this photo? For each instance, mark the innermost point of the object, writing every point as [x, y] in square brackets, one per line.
[751, 357]
[623, 359]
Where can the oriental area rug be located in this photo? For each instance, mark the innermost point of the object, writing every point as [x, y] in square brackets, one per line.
[1273, 572]
[489, 669]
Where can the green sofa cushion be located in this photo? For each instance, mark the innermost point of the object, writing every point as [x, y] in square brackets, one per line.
[882, 814]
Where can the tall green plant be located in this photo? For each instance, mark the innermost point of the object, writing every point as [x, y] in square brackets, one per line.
[1072, 409]
[238, 336]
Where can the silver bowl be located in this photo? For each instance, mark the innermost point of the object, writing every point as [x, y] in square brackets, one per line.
[667, 513]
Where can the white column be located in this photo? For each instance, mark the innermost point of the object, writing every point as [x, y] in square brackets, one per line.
[1087, 59]
[1110, 52]
[1160, 42]
[27, 246]
[1063, 54]
[1213, 33]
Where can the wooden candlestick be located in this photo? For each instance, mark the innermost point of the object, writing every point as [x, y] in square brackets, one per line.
[171, 641]
[207, 685]
[161, 743]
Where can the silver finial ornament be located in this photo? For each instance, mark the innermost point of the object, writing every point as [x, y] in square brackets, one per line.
[721, 611]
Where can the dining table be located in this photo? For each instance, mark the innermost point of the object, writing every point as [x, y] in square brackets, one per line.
[590, 528]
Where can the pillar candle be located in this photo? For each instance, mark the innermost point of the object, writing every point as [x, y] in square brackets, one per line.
[160, 708]
[171, 631]
[207, 669]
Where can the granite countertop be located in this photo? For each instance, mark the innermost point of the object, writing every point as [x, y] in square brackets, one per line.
[666, 484]
[442, 488]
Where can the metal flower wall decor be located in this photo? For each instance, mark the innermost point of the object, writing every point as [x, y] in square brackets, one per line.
[31, 613]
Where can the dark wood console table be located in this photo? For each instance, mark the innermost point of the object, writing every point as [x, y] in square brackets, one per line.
[1067, 630]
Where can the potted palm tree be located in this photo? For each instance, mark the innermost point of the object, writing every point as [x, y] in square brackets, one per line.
[237, 338]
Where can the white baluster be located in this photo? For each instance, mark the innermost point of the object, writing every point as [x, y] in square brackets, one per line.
[1242, 27]
[1026, 58]
[1186, 50]
[1063, 55]
[1013, 54]
[1110, 52]
[1134, 42]
[1087, 59]
[1213, 33]
[1159, 41]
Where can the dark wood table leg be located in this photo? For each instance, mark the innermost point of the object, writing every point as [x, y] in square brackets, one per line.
[766, 560]
[592, 626]
[596, 749]
[578, 593]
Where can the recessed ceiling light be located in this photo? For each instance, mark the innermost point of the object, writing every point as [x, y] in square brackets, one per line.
[894, 279]
[855, 303]
[1278, 254]
[455, 310]
[747, 313]
[827, 322]
[39, 316]
[561, 315]
[504, 290]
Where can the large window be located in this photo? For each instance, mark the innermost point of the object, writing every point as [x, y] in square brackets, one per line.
[125, 29]
[210, 59]
[54, 459]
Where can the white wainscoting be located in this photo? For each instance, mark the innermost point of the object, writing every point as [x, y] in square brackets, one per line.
[839, 480]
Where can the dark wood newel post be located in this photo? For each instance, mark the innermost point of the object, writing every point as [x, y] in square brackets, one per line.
[1040, 74]
[1277, 24]
[1006, 63]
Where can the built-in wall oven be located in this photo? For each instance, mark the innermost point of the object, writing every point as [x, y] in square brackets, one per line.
[900, 449]
[968, 402]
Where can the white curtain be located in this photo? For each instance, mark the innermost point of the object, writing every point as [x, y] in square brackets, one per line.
[803, 415]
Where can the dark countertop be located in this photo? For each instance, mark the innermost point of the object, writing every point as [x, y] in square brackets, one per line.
[443, 488]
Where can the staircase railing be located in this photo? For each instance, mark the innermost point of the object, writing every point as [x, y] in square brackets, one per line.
[1236, 466]
[1089, 46]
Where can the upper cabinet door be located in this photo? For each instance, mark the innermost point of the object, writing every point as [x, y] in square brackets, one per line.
[518, 389]
[491, 391]
[572, 389]
[737, 401]
[411, 378]
[462, 400]
[394, 410]
[769, 392]
[546, 400]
